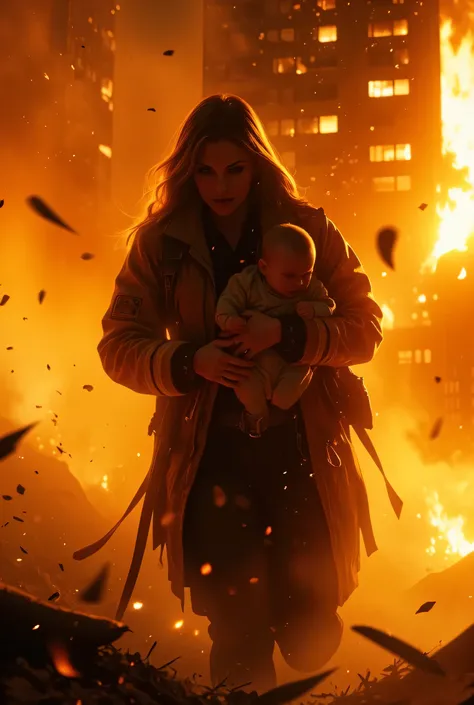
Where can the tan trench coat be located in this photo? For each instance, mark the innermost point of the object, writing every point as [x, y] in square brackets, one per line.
[135, 352]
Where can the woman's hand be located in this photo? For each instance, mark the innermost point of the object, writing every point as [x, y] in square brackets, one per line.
[215, 365]
[261, 332]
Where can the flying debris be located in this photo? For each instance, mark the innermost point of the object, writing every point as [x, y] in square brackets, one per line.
[94, 592]
[4, 300]
[425, 607]
[423, 206]
[8, 443]
[87, 255]
[41, 296]
[2, 201]
[437, 379]
[386, 241]
[44, 211]
[436, 428]
[168, 52]
[88, 387]
[152, 110]
[292, 691]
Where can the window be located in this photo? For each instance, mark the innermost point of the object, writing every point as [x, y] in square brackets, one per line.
[390, 152]
[401, 86]
[379, 55]
[272, 128]
[328, 124]
[388, 28]
[285, 6]
[391, 183]
[308, 126]
[418, 356]
[287, 35]
[284, 65]
[272, 96]
[384, 89]
[401, 57]
[405, 357]
[427, 356]
[327, 33]
[287, 128]
[287, 95]
[289, 160]
[326, 4]
[273, 35]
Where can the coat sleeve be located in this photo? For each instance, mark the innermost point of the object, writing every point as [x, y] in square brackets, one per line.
[352, 335]
[134, 350]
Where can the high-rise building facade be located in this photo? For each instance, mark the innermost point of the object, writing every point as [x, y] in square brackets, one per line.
[349, 92]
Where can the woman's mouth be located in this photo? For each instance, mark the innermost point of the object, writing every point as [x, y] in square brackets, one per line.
[223, 200]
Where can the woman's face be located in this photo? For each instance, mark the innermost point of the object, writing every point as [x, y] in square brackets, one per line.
[223, 176]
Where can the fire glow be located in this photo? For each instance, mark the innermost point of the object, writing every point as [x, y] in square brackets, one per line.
[457, 109]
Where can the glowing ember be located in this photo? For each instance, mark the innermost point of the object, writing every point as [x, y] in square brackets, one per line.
[62, 664]
[137, 605]
[104, 482]
[457, 107]
[268, 531]
[462, 273]
[179, 624]
[206, 569]
[388, 321]
[450, 531]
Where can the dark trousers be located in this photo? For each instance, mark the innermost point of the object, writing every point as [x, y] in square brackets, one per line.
[257, 556]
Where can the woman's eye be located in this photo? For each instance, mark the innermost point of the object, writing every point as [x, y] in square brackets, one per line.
[236, 170]
[203, 170]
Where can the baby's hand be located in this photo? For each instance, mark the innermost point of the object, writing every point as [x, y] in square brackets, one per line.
[305, 309]
[235, 324]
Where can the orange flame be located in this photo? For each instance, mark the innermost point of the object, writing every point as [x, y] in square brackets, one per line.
[61, 661]
[457, 109]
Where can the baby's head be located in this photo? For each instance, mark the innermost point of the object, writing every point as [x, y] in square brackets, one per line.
[287, 261]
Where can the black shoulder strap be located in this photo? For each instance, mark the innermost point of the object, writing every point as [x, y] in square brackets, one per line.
[172, 254]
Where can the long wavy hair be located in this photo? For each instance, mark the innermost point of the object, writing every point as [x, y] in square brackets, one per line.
[217, 117]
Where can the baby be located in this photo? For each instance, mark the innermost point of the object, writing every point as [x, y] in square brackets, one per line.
[280, 284]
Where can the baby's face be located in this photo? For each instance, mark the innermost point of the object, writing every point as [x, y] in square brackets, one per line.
[287, 273]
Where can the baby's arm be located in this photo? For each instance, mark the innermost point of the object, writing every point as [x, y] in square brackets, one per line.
[319, 303]
[232, 302]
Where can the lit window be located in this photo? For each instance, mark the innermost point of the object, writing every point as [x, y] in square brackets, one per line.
[287, 35]
[401, 57]
[400, 28]
[403, 183]
[284, 65]
[272, 128]
[308, 126]
[398, 2]
[402, 86]
[272, 35]
[403, 152]
[327, 33]
[385, 89]
[272, 96]
[300, 66]
[390, 152]
[418, 356]
[405, 357]
[287, 128]
[326, 4]
[383, 183]
[328, 124]
[289, 160]
[380, 29]
[380, 89]
[427, 356]
[285, 6]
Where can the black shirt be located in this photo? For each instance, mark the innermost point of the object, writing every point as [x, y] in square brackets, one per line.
[226, 262]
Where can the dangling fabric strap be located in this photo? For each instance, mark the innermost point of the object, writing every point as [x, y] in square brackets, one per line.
[366, 441]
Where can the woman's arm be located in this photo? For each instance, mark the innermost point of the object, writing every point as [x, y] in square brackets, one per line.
[134, 349]
[352, 335]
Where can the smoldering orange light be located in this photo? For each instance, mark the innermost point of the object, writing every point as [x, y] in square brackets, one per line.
[206, 569]
[61, 661]
[179, 624]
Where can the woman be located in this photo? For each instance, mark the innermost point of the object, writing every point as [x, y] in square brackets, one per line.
[264, 531]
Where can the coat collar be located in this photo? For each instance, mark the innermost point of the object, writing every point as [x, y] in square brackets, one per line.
[187, 226]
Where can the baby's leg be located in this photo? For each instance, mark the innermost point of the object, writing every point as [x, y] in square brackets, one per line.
[251, 392]
[292, 382]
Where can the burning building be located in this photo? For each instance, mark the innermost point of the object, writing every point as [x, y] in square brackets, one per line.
[350, 96]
